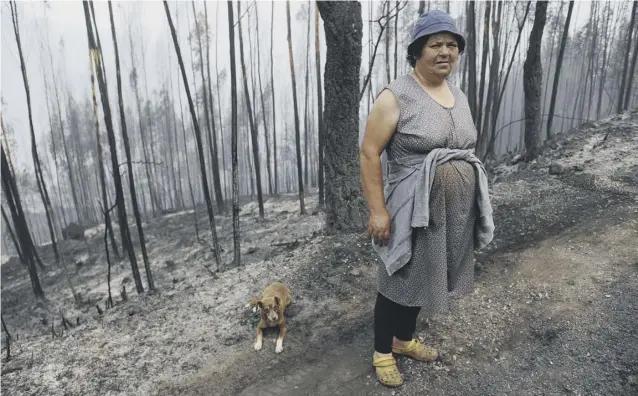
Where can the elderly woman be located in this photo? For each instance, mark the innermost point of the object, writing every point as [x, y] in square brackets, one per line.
[434, 209]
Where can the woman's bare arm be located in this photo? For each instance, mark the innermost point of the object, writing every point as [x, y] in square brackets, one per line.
[381, 125]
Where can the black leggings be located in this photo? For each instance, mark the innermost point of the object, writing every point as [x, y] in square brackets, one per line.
[392, 320]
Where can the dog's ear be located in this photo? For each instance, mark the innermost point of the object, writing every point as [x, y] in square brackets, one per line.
[276, 301]
[253, 302]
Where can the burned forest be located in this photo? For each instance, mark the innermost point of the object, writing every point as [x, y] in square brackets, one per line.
[162, 162]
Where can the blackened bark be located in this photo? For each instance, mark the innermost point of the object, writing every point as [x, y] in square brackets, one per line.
[532, 82]
[346, 208]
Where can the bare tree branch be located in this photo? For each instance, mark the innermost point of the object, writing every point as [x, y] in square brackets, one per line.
[387, 17]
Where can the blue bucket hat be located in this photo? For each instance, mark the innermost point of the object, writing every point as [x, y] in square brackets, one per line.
[436, 21]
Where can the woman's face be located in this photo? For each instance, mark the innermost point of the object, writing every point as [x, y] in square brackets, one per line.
[439, 55]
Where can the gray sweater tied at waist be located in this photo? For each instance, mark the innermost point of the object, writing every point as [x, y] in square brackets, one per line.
[407, 196]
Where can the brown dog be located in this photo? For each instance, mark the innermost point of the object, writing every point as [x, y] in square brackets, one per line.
[273, 302]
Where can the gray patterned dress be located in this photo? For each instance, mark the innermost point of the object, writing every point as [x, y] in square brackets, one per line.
[442, 262]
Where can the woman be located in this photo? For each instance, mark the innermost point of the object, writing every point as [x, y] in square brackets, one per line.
[434, 209]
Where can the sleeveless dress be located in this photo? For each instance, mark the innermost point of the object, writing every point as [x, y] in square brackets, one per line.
[442, 261]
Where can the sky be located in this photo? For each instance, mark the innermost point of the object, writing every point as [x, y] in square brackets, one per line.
[64, 20]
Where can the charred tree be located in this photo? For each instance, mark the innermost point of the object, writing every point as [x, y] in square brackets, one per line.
[486, 49]
[559, 64]
[42, 188]
[263, 112]
[623, 97]
[471, 58]
[134, 77]
[233, 102]
[251, 120]
[296, 112]
[306, 94]
[320, 130]
[119, 191]
[100, 158]
[532, 82]
[127, 151]
[346, 209]
[209, 117]
[19, 221]
[198, 137]
[274, 112]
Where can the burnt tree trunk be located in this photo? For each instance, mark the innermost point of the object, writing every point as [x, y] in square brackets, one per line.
[119, 191]
[346, 208]
[320, 129]
[306, 97]
[532, 82]
[19, 221]
[302, 205]
[127, 151]
[623, 104]
[100, 158]
[251, 120]
[198, 137]
[219, 109]
[263, 113]
[471, 57]
[559, 63]
[233, 101]
[486, 49]
[272, 86]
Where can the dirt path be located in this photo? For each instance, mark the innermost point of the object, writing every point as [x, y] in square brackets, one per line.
[553, 319]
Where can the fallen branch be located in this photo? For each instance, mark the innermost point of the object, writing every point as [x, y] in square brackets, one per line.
[12, 370]
[242, 15]
[294, 243]
[141, 163]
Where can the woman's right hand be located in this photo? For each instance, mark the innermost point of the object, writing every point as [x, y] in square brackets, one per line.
[379, 227]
